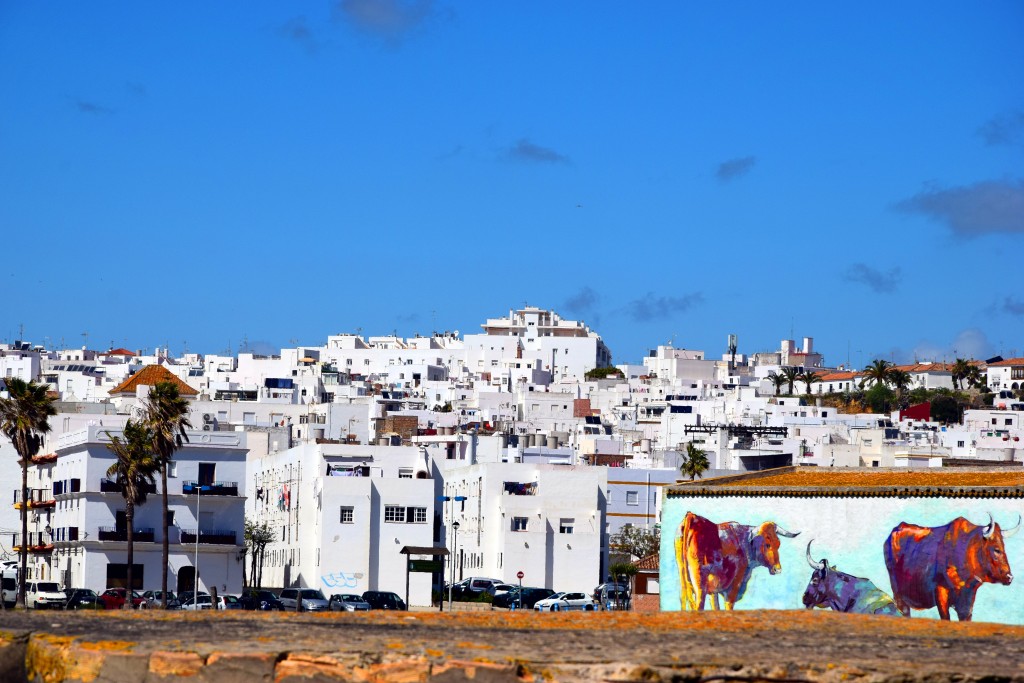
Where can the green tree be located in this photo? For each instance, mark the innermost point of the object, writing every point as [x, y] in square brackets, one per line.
[878, 398]
[974, 377]
[696, 462]
[776, 379]
[638, 541]
[809, 377]
[166, 417]
[603, 373]
[134, 470]
[945, 409]
[900, 381]
[623, 572]
[959, 372]
[257, 536]
[791, 375]
[24, 419]
[876, 373]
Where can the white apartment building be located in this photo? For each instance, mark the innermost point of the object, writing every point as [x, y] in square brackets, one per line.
[1006, 374]
[80, 533]
[341, 515]
[544, 520]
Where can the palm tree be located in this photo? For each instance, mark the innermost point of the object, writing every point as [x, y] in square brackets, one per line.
[876, 373]
[974, 378]
[809, 377]
[696, 462]
[133, 468]
[24, 418]
[776, 379]
[167, 418]
[959, 371]
[791, 375]
[900, 380]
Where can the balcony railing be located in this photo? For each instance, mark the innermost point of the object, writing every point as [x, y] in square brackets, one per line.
[38, 541]
[37, 498]
[216, 488]
[214, 537]
[517, 488]
[108, 486]
[110, 533]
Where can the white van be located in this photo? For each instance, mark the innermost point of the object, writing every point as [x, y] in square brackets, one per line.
[9, 578]
[44, 595]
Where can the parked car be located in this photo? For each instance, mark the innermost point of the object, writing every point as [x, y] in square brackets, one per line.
[606, 587]
[500, 588]
[472, 587]
[261, 600]
[154, 599]
[611, 598]
[384, 600]
[44, 595]
[228, 602]
[187, 595]
[312, 599]
[82, 598]
[560, 602]
[197, 603]
[114, 598]
[347, 602]
[530, 597]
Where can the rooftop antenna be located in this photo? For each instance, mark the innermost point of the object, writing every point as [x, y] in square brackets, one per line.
[732, 351]
[21, 331]
[85, 339]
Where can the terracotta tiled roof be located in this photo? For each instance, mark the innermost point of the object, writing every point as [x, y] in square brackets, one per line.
[149, 376]
[1007, 362]
[875, 482]
[118, 352]
[926, 367]
[648, 563]
[838, 376]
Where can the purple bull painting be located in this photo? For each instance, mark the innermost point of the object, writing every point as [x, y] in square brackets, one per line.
[843, 592]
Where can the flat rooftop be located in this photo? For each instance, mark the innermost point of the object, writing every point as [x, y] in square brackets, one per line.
[874, 481]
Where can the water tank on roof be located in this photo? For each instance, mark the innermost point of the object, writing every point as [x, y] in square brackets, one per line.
[552, 441]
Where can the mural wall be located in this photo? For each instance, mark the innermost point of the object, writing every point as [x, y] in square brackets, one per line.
[921, 557]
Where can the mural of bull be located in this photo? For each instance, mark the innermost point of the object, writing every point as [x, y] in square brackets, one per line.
[717, 559]
[944, 566]
[844, 592]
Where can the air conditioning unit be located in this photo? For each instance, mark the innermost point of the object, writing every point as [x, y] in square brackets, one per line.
[207, 428]
[207, 418]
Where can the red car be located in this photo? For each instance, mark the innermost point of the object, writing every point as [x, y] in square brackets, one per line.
[114, 598]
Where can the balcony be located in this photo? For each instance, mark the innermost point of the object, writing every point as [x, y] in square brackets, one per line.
[516, 488]
[37, 498]
[108, 486]
[38, 542]
[110, 533]
[216, 488]
[209, 537]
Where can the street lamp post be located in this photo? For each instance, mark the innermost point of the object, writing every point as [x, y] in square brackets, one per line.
[195, 592]
[451, 558]
[455, 547]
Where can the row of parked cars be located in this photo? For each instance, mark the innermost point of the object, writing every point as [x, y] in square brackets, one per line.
[607, 596]
[49, 595]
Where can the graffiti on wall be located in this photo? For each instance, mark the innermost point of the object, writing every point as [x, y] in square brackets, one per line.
[341, 580]
[880, 564]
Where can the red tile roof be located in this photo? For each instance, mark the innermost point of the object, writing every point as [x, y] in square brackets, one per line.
[1007, 362]
[119, 352]
[838, 376]
[149, 376]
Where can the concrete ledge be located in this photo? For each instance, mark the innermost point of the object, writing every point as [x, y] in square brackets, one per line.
[502, 647]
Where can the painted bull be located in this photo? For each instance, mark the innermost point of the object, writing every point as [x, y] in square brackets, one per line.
[844, 592]
[944, 566]
[717, 559]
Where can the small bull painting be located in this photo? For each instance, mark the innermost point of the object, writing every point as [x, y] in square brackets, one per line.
[944, 566]
[717, 559]
[844, 592]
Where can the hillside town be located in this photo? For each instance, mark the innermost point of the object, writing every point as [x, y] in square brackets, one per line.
[520, 452]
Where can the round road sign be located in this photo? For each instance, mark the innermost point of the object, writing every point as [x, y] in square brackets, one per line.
[520, 575]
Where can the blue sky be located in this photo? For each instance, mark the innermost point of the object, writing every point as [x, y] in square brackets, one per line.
[665, 171]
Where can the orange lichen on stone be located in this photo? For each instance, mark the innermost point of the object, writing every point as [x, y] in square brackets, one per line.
[950, 478]
[175, 664]
[107, 645]
[52, 659]
[415, 670]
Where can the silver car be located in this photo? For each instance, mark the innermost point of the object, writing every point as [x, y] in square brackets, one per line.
[312, 599]
[348, 602]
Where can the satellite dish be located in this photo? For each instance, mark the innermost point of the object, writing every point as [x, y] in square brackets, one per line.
[456, 333]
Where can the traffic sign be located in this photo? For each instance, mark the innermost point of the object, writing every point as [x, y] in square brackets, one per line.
[520, 575]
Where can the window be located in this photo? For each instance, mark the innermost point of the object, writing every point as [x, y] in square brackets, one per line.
[1008, 421]
[348, 514]
[959, 444]
[348, 361]
[172, 469]
[366, 361]
[519, 523]
[632, 498]
[405, 473]
[207, 470]
[394, 513]
[565, 525]
[418, 515]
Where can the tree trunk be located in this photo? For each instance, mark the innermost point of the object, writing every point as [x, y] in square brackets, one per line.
[129, 517]
[166, 554]
[23, 574]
